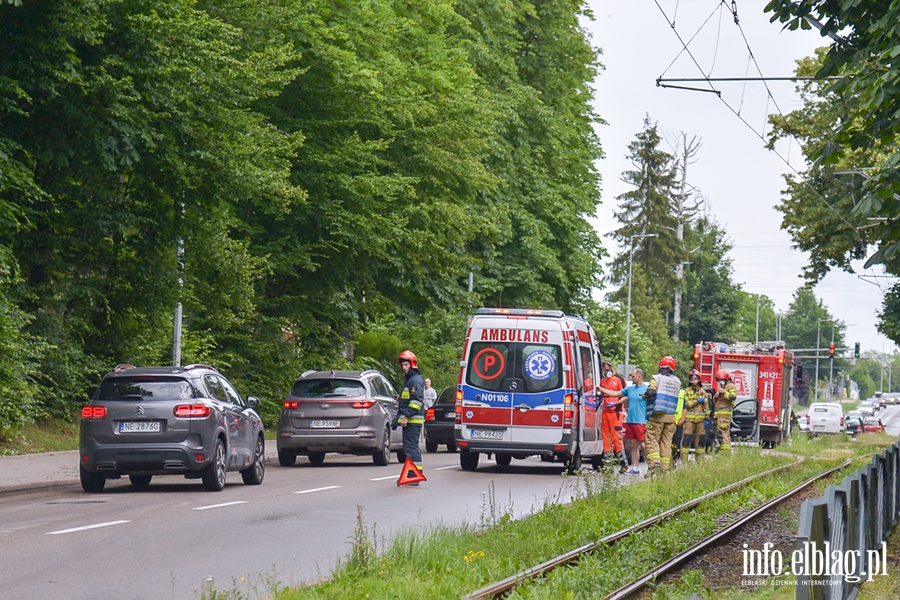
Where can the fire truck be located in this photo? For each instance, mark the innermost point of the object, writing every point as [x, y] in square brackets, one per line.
[762, 372]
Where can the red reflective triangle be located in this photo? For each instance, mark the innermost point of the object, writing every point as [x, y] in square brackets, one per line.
[411, 473]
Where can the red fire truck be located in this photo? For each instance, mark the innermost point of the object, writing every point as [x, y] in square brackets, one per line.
[762, 373]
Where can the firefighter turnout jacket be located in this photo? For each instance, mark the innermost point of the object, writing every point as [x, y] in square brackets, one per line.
[695, 404]
[412, 403]
[724, 400]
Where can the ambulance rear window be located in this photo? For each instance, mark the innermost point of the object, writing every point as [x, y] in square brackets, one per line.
[493, 366]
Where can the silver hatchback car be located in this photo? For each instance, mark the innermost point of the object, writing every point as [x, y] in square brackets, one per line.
[352, 412]
[151, 421]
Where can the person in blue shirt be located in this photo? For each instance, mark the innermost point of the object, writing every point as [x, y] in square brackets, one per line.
[636, 418]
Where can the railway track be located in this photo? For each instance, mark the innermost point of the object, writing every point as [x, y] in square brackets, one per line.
[504, 586]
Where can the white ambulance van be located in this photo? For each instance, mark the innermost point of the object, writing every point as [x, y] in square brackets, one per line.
[526, 387]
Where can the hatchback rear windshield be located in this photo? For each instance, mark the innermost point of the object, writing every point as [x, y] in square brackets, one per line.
[328, 388]
[145, 389]
[492, 365]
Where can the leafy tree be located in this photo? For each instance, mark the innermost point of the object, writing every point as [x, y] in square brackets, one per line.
[711, 298]
[744, 324]
[850, 128]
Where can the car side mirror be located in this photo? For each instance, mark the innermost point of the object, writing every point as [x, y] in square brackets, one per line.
[252, 401]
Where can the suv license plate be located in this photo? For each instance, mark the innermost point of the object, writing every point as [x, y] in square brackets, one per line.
[325, 424]
[491, 434]
[139, 427]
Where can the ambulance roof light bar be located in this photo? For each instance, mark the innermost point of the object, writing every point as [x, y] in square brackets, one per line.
[520, 312]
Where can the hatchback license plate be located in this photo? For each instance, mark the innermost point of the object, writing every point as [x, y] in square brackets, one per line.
[325, 424]
[139, 427]
[492, 434]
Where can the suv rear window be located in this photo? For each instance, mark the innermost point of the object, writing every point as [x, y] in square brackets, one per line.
[492, 364]
[145, 389]
[328, 388]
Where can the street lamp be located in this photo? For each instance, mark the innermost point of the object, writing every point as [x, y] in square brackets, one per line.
[628, 311]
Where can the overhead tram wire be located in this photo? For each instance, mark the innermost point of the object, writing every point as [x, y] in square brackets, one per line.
[712, 88]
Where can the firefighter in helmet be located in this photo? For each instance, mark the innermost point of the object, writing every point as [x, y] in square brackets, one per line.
[694, 415]
[662, 401]
[723, 403]
[411, 411]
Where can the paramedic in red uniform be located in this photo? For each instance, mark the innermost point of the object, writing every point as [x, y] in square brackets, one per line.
[610, 420]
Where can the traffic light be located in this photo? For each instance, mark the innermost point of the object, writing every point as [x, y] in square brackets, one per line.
[856, 350]
[831, 351]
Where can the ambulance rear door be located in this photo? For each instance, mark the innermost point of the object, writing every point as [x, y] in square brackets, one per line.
[513, 380]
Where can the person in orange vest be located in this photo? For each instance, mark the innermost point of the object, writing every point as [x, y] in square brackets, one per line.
[610, 420]
[694, 415]
[723, 401]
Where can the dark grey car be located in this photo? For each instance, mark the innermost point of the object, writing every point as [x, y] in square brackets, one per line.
[351, 412]
[151, 421]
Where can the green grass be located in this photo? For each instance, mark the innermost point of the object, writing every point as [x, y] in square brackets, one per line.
[449, 562]
[46, 436]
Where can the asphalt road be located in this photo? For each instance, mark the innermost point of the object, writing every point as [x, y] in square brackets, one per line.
[175, 538]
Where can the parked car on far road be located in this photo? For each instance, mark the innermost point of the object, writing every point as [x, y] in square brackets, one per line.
[150, 421]
[872, 425]
[825, 417]
[440, 421]
[351, 412]
[866, 408]
[853, 422]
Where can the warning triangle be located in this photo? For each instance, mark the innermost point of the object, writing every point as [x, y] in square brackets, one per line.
[411, 473]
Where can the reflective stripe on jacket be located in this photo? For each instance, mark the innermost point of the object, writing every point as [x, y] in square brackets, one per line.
[666, 389]
[412, 400]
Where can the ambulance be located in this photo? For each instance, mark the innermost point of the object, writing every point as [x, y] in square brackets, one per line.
[527, 387]
[762, 372]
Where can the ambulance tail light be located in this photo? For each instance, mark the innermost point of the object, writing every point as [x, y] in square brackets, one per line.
[459, 398]
[568, 411]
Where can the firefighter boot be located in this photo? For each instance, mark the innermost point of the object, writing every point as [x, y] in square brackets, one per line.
[623, 462]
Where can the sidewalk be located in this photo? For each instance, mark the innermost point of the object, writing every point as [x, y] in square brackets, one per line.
[35, 471]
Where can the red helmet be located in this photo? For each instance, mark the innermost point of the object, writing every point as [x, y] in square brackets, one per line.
[723, 374]
[694, 373]
[409, 357]
[667, 361]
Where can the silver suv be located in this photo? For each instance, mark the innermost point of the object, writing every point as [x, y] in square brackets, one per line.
[353, 412]
[169, 420]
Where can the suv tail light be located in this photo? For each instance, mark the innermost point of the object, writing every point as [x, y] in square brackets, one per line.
[363, 404]
[290, 404]
[93, 412]
[191, 411]
[429, 414]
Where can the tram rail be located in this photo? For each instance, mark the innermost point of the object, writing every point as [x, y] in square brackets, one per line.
[504, 586]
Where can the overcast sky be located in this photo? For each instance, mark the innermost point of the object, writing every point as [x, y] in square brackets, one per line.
[740, 179]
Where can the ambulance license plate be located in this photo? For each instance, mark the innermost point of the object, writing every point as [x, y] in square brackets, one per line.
[490, 434]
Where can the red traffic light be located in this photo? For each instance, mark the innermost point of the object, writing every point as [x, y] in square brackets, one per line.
[831, 350]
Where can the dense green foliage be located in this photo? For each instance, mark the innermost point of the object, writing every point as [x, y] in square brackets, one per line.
[333, 170]
[848, 128]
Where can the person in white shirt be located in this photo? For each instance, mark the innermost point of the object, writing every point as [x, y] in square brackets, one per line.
[430, 395]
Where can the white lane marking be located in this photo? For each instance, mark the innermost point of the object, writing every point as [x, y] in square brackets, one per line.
[321, 489]
[445, 468]
[220, 505]
[86, 527]
[385, 478]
